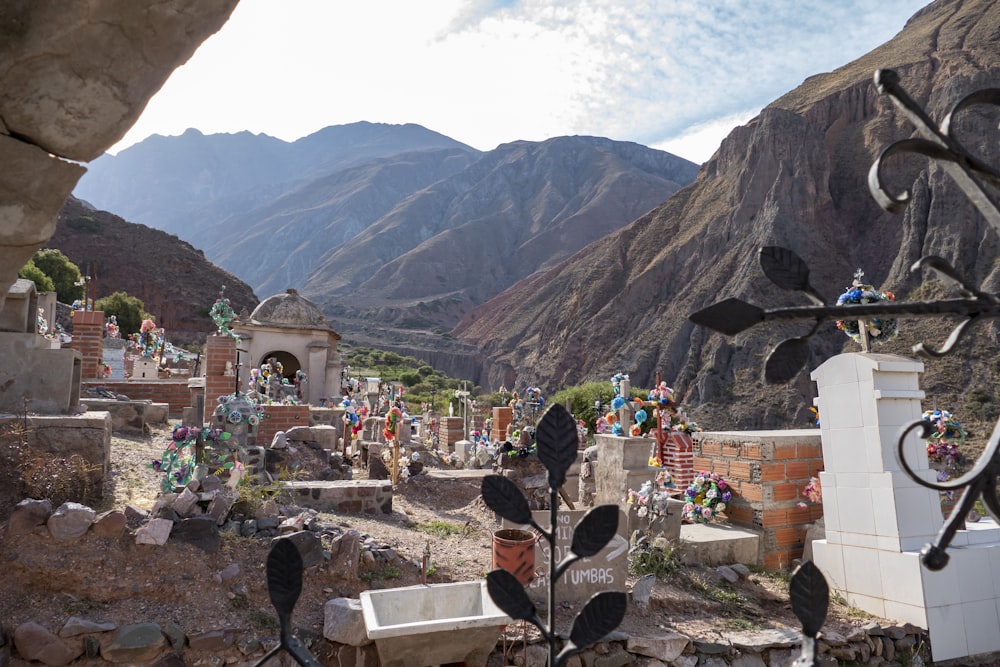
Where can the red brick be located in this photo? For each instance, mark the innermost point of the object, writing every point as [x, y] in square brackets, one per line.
[797, 470]
[781, 560]
[785, 491]
[810, 451]
[798, 515]
[741, 515]
[730, 450]
[815, 467]
[702, 463]
[786, 537]
[774, 518]
[784, 452]
[739, 470]
[772, 472]
[751, 492]
[711, 448]
[751, 451]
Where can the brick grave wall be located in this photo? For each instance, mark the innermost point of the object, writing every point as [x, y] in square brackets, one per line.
[88, 340]
[280, 418]
[766, 471]
[174, 393]
[218, 351]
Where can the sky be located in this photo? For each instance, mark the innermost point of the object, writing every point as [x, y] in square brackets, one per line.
[676, 75]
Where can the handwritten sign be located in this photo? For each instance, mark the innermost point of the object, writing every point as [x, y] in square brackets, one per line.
[604, 571]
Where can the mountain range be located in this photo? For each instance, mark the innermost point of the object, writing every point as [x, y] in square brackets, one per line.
[579, 257]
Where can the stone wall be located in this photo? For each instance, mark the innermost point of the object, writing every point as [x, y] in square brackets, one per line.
[364, 496]
[766, 471]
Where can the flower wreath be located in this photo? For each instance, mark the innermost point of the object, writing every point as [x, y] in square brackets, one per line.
[706, 498]
[229, 409]
[879, 330]
[948, 436]
[178, 461]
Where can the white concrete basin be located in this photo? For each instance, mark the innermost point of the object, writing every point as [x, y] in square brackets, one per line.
[433, 624]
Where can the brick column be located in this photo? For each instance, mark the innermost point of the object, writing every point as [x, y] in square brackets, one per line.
[88, 340]
[218, 351]
[678, 458]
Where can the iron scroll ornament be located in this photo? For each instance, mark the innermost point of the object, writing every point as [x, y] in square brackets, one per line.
[557, 440]
[787, 271]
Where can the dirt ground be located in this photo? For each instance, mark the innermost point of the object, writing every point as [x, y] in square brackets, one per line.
[116, 580]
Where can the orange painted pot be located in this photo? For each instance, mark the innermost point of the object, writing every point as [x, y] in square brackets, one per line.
[514, 551]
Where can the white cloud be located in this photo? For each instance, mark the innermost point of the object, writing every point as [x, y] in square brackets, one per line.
[491, 71]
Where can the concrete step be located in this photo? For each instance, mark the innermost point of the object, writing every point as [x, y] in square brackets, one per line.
[719, 544]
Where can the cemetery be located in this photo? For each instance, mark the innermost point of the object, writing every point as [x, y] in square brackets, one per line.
[256, 504]
[730, 503]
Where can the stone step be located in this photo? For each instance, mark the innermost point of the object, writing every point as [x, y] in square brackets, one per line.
[719, 544]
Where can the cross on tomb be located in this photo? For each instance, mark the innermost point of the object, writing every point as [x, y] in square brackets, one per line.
[866, 345]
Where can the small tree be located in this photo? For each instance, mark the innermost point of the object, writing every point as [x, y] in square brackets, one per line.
[128, 310]
[66, 278]
[31, 272]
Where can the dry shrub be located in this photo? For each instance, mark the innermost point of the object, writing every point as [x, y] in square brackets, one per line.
[25, 473]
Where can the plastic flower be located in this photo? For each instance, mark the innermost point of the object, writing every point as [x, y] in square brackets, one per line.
[707, 497]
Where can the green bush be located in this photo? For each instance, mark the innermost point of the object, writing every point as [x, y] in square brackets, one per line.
[66, 278]
[31, 272]
[128, 310]
[660, 557]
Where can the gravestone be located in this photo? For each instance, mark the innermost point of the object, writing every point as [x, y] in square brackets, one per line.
[114, 357]
[34, 369]
[605, 570]
[144, 368]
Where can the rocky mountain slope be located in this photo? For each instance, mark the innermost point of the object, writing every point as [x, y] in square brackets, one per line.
[393, 225]
[795, 176]
[178, 183]
[174, 280]
[521, 208]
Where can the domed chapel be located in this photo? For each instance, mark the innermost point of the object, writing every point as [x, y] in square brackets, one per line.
[294, 331]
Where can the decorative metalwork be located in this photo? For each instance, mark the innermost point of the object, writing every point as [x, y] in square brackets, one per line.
[788, 271]
[557, 440]
[809, 595]
[284, 585]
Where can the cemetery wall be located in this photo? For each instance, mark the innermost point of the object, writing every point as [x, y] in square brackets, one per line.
[174, 393]
[767, 471]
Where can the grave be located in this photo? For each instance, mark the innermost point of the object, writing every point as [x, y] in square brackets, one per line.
[606, 570]
[35, 376]
[878, 518]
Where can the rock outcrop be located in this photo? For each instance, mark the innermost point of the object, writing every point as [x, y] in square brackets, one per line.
[174, 280]
[795, 176]
[75, 78]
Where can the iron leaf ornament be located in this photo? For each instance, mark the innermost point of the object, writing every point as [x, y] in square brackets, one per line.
[602, 614]
[284, 585]
[809, 595]
[597, 527]
[733, 316]
[557, 441]
[503, 497]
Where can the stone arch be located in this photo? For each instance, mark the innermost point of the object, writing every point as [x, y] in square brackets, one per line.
[289, 362]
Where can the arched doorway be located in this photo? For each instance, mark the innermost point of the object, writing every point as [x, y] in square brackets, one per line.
[289, 363]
